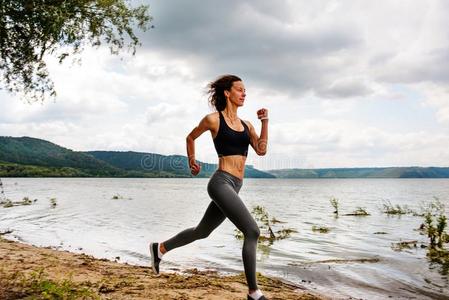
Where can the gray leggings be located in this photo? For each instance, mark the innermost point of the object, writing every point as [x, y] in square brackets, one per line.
[223, 189]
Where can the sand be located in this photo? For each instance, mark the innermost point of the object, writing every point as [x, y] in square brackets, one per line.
[45, 273]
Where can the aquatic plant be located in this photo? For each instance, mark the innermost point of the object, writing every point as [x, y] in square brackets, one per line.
[267, 234]
[334, 203]
[391, 209]
[9, 203]
[284, 233]
[441, 225]
[2, 192]
[118, 196]
[274, 221]
[321, 229]
[359, 211]
[436, 234]
[435, 213]
[434, 225]
[399, 246]
[26, 201]
[440, 257]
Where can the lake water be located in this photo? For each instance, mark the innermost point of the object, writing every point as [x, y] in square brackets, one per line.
[87, 219]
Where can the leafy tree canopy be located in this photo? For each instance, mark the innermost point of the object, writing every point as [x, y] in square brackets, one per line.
[31, 29]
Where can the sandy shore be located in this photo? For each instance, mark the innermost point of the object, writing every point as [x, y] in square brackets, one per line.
[27, 270]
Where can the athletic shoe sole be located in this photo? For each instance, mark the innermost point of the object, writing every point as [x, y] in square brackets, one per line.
[154, 257]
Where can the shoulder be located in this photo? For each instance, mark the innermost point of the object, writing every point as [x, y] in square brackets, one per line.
[212, 117]
[248, 123]
[211, 120]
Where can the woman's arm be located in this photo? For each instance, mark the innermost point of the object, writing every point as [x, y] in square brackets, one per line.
[204, 125]
[259, 144]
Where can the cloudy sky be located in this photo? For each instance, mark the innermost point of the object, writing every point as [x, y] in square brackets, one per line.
[346, 83]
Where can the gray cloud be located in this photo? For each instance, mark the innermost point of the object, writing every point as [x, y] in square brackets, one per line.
[433, 67]
[301, 46]
[262, 41]
[345, 89]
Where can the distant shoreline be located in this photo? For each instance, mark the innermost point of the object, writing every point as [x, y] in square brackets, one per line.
[203, 177]
[31, 157]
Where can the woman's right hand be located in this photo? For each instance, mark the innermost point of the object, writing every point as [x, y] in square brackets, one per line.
[195, 168]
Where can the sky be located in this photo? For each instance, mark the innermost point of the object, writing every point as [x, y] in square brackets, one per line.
[346, 83]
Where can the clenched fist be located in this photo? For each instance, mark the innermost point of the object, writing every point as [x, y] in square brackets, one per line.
[262, 114]
[195, 168]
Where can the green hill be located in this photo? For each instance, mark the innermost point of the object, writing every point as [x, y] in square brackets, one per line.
[41, 153]
[26, 156]
[171, 164]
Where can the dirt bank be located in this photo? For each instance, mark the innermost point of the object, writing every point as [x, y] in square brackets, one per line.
[28, 270]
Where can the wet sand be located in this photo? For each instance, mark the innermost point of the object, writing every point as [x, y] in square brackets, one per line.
[27, 270]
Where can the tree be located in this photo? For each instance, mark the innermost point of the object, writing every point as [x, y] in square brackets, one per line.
[32, 29]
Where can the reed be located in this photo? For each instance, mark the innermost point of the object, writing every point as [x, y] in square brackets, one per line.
[359, 211]
[434, 226]
[268, 234]
[397, 209]
[334, 203]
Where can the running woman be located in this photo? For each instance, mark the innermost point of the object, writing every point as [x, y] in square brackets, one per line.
[231, 137]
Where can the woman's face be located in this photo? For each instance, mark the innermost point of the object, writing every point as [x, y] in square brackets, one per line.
[237, 93]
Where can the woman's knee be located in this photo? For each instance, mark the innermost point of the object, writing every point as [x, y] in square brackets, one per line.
[252, 232]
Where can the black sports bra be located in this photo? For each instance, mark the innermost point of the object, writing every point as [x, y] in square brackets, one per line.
[231, 142]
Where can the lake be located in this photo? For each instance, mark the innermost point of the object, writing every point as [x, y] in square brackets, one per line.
[350, 260]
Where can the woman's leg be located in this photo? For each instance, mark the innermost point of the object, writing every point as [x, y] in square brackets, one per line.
[212, 218]
[224, 194]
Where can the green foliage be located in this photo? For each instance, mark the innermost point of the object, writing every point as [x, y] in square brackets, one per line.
[334, 203]
[25, 201]
[16, 170]
[37, 285]
[391, 209]
[32, 29]
[321, 229]
[399, 246]
[7, 203]
[359, 211]
[267, 234]
[430, 229]
[434, 225]
[439, 256]
[441, 225]
[435, 214]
